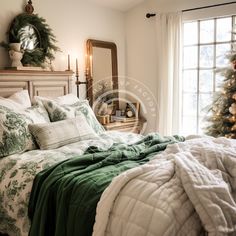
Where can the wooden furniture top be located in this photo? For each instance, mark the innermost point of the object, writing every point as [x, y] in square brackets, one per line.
[129, 126]
[35, 72]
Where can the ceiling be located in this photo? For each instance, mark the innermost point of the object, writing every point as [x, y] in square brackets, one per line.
[122, 5]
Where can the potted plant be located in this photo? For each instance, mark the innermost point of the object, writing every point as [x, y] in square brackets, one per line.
[14, 49]
[14, 42]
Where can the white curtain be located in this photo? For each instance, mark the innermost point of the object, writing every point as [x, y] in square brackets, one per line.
[169, 38]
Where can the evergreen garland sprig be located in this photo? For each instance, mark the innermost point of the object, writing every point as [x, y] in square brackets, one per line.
[44, 53]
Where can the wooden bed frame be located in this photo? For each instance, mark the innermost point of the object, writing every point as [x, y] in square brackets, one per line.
[38, 83]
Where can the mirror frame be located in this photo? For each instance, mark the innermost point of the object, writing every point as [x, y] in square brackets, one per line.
[91, 43]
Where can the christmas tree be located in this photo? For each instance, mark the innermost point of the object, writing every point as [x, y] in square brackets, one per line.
[222, 122]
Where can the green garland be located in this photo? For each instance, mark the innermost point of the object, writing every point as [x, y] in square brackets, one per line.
[42, 54]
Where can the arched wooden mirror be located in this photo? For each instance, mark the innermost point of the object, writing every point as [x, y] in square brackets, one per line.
[102, 73]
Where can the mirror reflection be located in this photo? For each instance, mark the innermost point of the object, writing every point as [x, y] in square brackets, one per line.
[103, 75]
[29, 37]
[102, 71]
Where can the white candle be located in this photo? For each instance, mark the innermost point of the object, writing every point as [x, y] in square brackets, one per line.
[68, 61]
[77, 68]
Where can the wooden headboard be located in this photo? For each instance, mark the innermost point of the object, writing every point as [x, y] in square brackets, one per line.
[38, 83]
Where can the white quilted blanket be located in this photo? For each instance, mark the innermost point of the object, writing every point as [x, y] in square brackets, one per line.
[189, 189]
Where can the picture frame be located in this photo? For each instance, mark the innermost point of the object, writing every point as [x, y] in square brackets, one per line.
[134, 107]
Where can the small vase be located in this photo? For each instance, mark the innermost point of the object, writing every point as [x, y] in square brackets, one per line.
[15, 46]
[16, 58]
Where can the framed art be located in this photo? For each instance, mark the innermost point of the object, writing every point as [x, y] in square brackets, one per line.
[132, 109]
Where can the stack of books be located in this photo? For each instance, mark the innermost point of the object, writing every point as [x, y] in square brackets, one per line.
[123, 119]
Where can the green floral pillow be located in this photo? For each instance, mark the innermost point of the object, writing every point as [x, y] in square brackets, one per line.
[37, 114]
[84, 107]
[59, 112]
[14, 133]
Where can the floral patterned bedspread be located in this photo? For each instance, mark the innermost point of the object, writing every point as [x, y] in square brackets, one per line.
[17, 173]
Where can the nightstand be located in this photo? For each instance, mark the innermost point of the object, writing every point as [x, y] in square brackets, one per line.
[129, 126]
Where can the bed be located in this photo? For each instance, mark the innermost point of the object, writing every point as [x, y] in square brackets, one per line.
[109, 183]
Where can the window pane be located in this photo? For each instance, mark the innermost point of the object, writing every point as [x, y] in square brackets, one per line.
[190, 33]
[190, 104]
[223, 29]
[190, 57]
[205, 100]
[206, 56]
[206, 81]
[221, 51]
[207, 31]
[234, 27]
[189, 125]
[190, 81]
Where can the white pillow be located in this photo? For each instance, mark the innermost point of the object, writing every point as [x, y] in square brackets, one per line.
[57, 134]
[17, 101]
[67, 99]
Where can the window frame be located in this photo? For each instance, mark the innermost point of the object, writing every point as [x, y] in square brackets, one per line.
[198, 68]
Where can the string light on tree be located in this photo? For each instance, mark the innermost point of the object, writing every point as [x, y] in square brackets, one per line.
[222, 121]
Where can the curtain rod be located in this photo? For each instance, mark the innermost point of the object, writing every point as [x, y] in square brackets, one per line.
[148, 15]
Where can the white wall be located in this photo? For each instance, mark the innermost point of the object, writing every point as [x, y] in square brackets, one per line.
[141, 40]
[141, 60]
[73, 22]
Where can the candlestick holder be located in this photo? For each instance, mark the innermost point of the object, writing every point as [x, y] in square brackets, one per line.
[78, 83]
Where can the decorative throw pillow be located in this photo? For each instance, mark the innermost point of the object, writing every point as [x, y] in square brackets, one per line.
[58, 112]
[60, 133]
[14, 133]
[37, 114]
[84, 107]
[61, 112]
[19, 100]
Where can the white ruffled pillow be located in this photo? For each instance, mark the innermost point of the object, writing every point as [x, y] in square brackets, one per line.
[18, 101]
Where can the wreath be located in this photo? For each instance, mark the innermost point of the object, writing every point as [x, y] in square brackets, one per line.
[44, 52]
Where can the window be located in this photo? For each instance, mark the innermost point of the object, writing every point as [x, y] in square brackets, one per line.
[206, 43]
